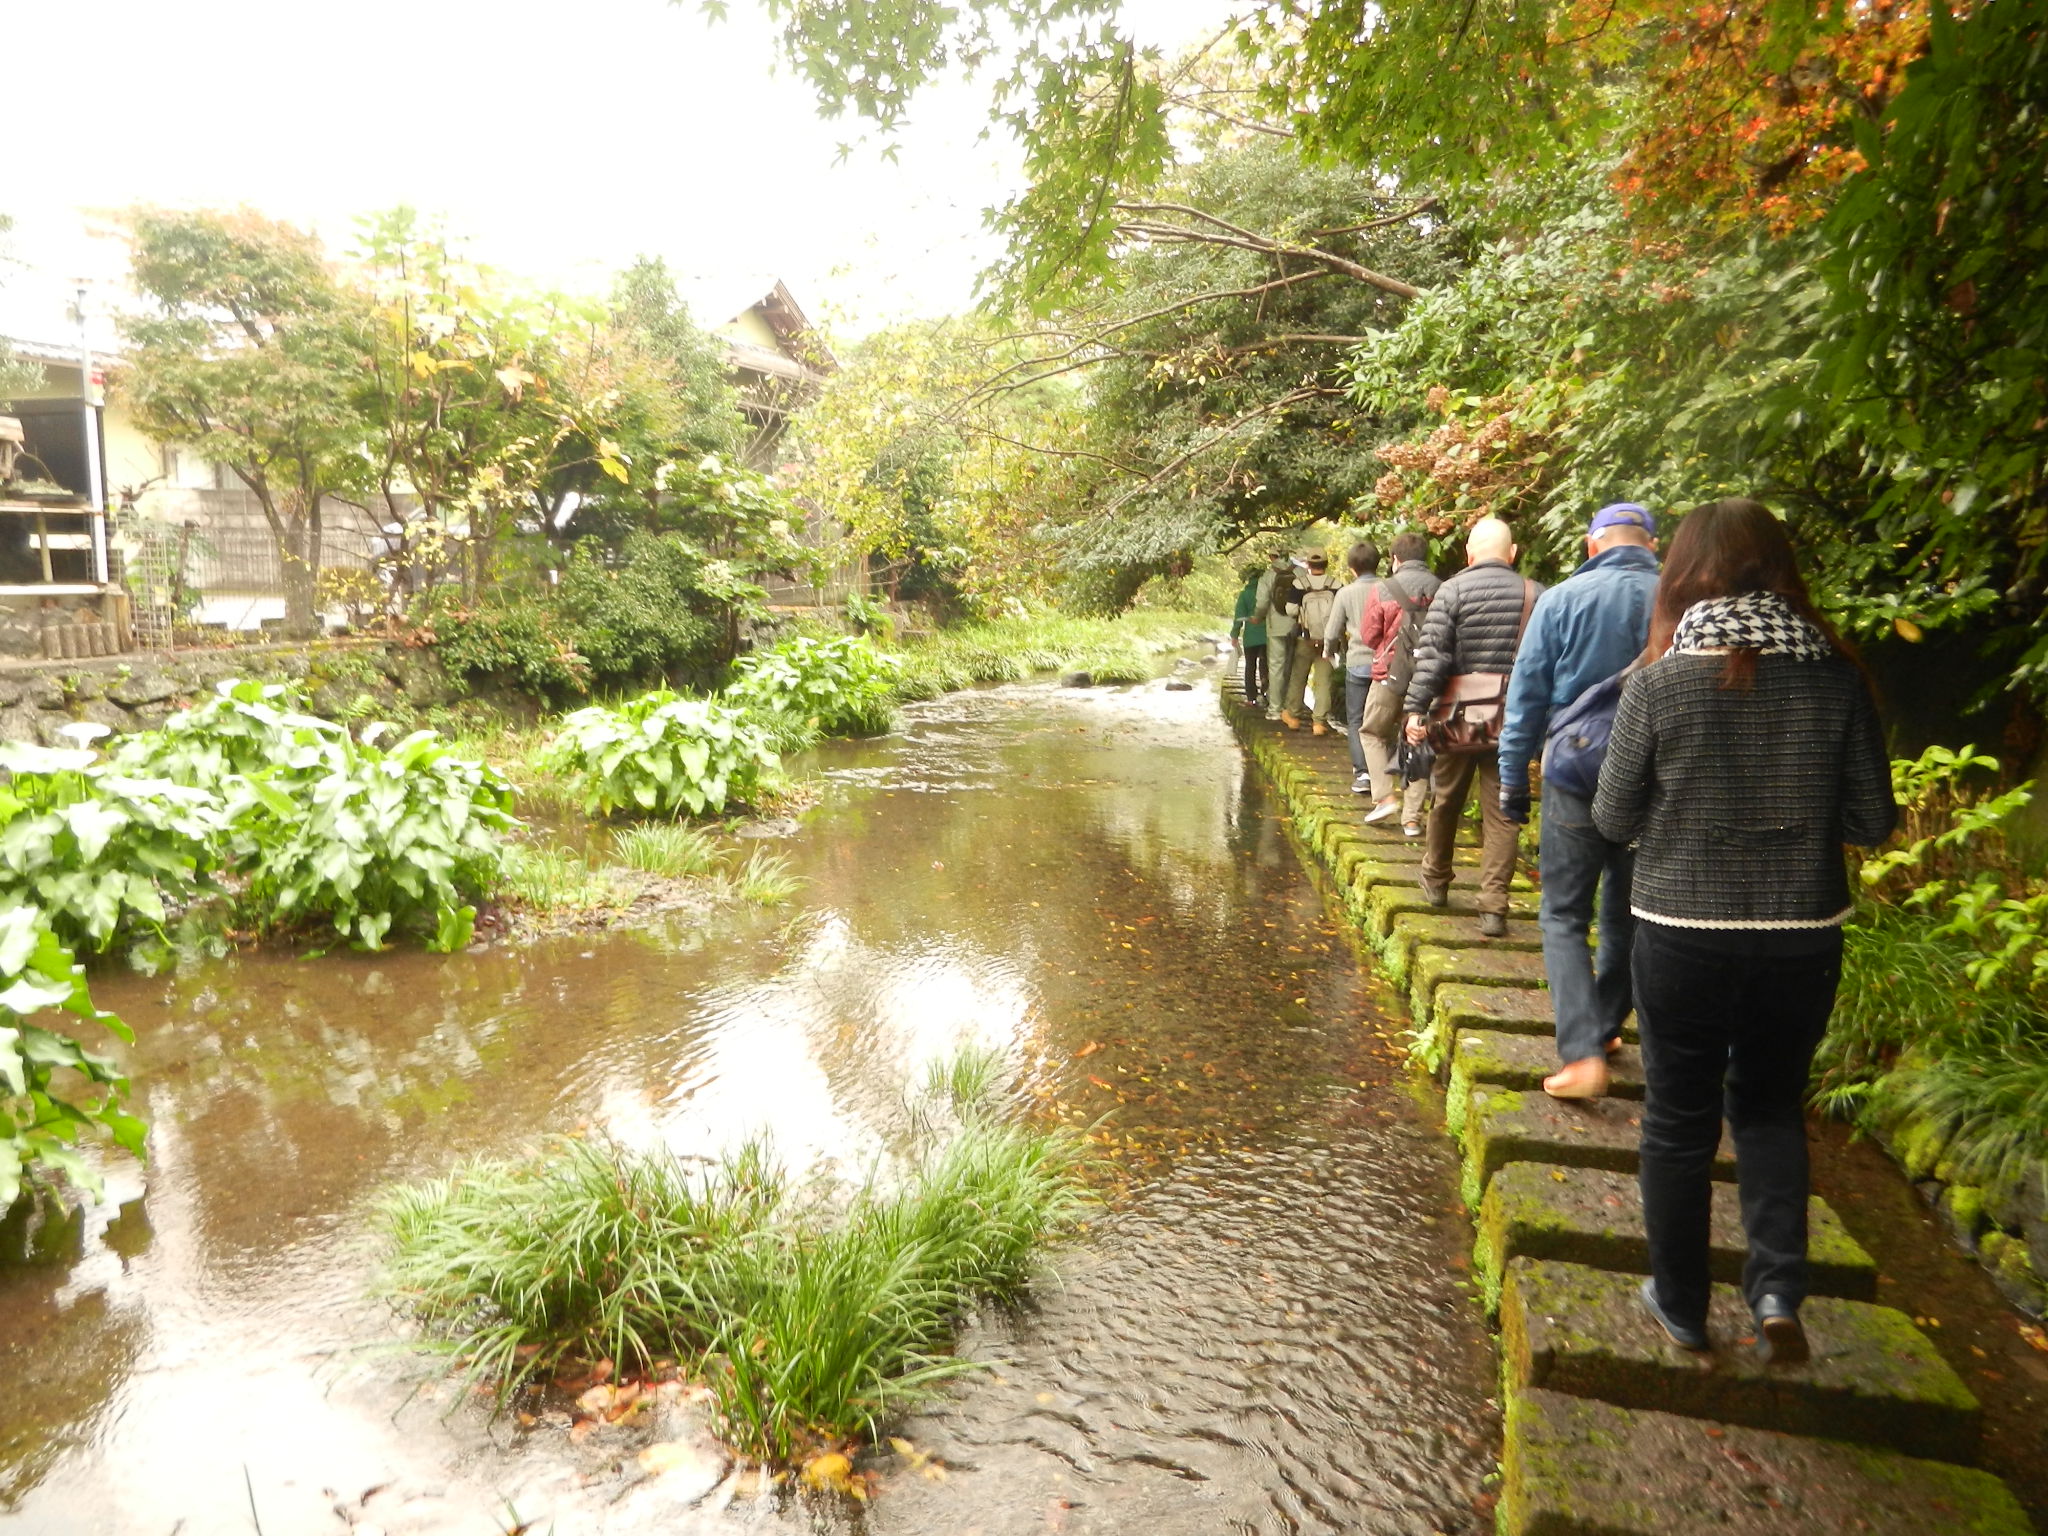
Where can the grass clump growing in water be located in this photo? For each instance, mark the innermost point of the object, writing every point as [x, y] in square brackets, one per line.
[671, 850]
[813, 1312]
[765, 880]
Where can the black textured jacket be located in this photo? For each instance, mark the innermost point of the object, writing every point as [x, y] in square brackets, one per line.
[1739, 799]
[1472, 627]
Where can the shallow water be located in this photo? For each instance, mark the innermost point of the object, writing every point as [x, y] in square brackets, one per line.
[1265, 1331]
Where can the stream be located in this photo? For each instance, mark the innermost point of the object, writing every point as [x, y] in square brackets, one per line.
[1266, 1328]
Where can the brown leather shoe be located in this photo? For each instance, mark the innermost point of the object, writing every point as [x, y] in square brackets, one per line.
[1289, 721]
[1579, 1080]
[1317, 728]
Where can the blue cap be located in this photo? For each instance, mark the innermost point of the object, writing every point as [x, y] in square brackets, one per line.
[1623, 514]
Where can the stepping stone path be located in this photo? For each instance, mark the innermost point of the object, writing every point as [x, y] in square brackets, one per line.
[1611, 1429]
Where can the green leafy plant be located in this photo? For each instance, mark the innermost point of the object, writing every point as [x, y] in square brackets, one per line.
[372, 840]
[53, 1091]
[844, 686]
[661, 754]
[105, 855]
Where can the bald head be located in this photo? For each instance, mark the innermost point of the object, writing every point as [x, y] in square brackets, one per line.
[1490, 539]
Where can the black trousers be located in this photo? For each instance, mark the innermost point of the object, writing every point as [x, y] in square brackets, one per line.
[1254, 676]
[1730, 1020]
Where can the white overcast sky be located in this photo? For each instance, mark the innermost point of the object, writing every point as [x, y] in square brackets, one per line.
[561, 139]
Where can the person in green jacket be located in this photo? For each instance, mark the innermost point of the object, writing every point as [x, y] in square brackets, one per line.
[1248, 628]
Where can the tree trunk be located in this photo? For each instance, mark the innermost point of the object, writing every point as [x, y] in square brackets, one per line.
[293, 556]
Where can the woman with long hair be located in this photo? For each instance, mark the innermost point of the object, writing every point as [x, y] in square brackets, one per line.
[1743, 757]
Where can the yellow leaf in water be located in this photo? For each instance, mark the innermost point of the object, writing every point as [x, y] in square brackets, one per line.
[598, 1400]
[830, 1473]
[1907, 629]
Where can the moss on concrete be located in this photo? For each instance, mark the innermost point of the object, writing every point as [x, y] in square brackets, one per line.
[1874, 1378]
[1575, 1467]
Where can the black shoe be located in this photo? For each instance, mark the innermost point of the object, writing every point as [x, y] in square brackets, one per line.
[1779, 1338]
[1694, 1339]
[1493, 925]
[1437, 894]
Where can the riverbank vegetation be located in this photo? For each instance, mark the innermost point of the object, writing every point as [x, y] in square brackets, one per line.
[813, 1309]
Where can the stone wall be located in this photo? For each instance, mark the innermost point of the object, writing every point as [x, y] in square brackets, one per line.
[140, 690]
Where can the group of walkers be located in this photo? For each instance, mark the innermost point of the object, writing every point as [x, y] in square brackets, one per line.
[1708, 744]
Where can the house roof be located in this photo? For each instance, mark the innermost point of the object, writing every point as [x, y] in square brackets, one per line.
[719, 304]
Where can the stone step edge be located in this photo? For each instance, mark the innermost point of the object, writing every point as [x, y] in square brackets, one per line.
[1575, 1466]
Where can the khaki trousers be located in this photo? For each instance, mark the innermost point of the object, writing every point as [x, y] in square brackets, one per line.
[1450, 781]
[1309, 671]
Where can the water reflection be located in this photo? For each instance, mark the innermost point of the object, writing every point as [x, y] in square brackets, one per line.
[1083, 880]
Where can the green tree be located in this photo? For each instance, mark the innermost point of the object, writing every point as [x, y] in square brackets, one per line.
[248, 351]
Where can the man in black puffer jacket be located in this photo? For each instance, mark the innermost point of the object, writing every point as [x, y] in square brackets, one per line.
[1474, 625]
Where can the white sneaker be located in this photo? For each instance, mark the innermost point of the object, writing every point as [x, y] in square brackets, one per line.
[1362, 785]
[1383, 810]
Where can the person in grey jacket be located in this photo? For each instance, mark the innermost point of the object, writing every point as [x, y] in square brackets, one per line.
[1348, 655]
[1474, 625]
[1742, 759]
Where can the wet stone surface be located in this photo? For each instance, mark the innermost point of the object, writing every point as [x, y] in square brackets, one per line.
[1873, 1379]
[1268, 1329]
[1505, 1125]
[1590, 1216]
[1581, 1468]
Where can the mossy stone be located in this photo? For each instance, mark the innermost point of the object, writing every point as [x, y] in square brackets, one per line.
[1576, 1467]
[1594, 1217]
[1502, 1126]
[2013, 1270]
[1874, 1378]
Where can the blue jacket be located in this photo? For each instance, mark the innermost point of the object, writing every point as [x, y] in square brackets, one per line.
[1585, 628]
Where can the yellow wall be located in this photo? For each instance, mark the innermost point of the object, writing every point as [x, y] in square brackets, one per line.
[752, 329]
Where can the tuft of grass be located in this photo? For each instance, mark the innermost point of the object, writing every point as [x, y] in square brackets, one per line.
[554, 880]
[668, 849]
[765, 880]
[812, 1319]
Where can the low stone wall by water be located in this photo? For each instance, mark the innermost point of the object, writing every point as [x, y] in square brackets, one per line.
[1611, 1428]
[141, 690]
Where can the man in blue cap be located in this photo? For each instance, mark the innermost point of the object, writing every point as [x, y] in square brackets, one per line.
[1583, 630]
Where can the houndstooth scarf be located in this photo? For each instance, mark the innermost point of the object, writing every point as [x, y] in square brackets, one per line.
[1754, 621]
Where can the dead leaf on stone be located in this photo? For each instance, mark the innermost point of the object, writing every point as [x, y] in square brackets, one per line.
[598, 1401]
[667, 1456]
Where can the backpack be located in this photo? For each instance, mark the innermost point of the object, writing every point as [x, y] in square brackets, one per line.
[1576, 744]
[1401, 658]
[1316, 604]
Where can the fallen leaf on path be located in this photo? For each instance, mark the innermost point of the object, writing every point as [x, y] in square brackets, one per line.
[1088, 1050]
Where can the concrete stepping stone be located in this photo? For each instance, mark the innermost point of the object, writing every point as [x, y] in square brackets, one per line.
[1384, 903]
[1498, 1126]
[1446, 930]
[1462, 1005]
[1575, 1467]
[1874, 1378]
[1523, 1061]
[1593, 1217]
[1433, 965]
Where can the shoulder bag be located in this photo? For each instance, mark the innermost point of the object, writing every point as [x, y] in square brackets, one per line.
[1467, 718]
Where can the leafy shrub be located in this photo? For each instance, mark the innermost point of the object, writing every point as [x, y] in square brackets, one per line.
[813, 1319]
[662, 754]
[639, 620]
[104, 855]
[843, 685]
[43, 1112]
[323, 827]
[522, 640]
[374, 841]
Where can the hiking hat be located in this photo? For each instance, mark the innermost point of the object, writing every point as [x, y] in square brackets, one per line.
[1623, 514]
[1317, 558]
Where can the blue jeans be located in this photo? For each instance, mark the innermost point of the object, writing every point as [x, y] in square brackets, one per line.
[1730, 1020]
[1589, 996]
[1356, 686]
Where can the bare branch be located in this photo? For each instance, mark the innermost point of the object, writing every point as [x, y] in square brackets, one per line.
[1223, 434]
[1229, 117]
[1425, 206]
[1245, 240]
